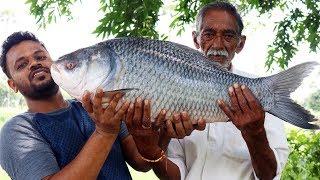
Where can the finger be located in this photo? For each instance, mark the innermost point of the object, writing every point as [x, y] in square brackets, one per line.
[115, 100]
[243, 104]
[86, 102]
[178, 126]
[186, 122]
[252, 100]
[146, 118]
[129, 116]
[137, 112]
[233, 100]
[226, 109]
[121, 112]
[201, 124]
[160, 120]
[170, 130]
[97, 107]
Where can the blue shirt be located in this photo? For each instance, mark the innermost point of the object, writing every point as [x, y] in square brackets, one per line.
[35, 145]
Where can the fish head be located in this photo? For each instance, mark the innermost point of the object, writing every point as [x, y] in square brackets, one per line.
[84, 69]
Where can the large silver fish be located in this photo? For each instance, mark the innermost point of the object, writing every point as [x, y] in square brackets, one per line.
[176, 78]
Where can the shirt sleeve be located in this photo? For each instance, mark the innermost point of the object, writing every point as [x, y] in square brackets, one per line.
[24, 154]
[277, 141]
[123, 133]
[175, 153]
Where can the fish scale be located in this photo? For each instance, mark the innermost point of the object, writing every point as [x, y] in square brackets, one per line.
[174, 82]
[177, 78]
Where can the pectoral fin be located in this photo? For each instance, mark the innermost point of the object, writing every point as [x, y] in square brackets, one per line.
[108, 94]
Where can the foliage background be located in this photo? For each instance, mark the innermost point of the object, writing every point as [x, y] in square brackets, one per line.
[139, 17]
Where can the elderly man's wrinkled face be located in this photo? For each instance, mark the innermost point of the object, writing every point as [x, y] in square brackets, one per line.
[219, 38]
[29, 66]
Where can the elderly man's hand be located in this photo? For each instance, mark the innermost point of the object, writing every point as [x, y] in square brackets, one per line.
[245, 111]
[179, 126]
[152, 138]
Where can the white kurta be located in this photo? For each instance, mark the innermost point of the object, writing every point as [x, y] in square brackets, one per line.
[220, 152]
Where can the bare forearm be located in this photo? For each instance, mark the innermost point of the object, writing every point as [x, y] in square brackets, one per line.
[132, 155]
[262, 156]
[89, 161]
[166, 169]
[139, 164]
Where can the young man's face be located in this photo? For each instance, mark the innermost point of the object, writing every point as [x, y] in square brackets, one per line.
[29, 66]
[219, 37]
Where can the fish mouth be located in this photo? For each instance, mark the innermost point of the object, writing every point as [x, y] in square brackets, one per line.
[54, 67]
[37, 71]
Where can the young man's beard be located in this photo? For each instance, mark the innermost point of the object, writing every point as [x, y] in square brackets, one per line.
[39, 92]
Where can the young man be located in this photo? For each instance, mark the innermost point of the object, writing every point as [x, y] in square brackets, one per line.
[59, 139]
[253, 145]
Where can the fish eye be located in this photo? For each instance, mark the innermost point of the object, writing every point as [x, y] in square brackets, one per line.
[70, 65]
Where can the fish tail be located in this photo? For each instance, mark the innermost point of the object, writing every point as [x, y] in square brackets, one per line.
[282, 84]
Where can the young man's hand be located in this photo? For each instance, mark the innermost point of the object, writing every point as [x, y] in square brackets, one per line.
[146, 137]
[107, 119]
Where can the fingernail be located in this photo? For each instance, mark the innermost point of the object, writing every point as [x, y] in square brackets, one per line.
[219, 101]
[146, 102]
[231, 89]
[131, 106]
[163, 111]
[243, 86]
[236, 85]
[176, 116]
[138, 100]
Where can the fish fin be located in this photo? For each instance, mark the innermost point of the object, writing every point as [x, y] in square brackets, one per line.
[107, 94]
[124, 91]
[282, 84]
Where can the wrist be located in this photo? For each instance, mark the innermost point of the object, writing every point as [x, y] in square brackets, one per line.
[152, 153]
[257, 141]
[157, 157]
[105, 134]
[108, 130]
[253, 133]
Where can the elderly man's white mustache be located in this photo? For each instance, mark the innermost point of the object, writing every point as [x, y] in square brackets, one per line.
[214, 52]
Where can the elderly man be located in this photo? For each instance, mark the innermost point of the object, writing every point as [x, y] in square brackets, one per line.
[253, 144]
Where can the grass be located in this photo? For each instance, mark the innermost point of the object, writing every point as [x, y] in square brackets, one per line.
[6, 113]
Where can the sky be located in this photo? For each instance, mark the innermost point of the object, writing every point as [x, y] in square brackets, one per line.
[66, 36]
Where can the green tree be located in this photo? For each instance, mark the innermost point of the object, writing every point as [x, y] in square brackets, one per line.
[313, 102]
[303, 161]
[139, 18]
[8, 98]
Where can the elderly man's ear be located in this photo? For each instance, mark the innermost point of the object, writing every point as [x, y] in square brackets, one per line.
[241, 43]
[195, 39]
